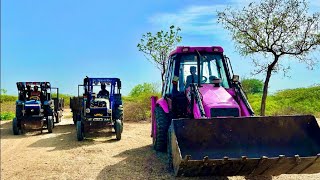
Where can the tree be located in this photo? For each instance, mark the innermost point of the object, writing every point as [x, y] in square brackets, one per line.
[156, 47]
[273, 28]
[142, 89]
[252, 86]
[3, 91]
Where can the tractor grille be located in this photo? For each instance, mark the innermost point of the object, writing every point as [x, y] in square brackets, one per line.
[218, 112]
[31, 111]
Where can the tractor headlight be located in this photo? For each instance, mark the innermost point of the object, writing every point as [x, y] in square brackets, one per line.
[109, 110]
[87, 110]
[41, 110]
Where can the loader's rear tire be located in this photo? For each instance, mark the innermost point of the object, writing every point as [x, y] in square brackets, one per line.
[80, 133]
[15, 128]
[118, 128]
[169, 150]
[50, 124]
[162, 125]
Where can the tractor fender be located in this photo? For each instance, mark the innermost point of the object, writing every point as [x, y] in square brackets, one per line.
[163, 104]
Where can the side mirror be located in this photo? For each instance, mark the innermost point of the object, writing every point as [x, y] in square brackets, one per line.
[235, 78]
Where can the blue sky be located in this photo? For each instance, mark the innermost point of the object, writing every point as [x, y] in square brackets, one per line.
[64, 41]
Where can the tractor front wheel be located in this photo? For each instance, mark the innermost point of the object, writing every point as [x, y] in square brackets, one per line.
[118, 128]
[15, 127]
[50, 124]
[80, 133]
[162, 125]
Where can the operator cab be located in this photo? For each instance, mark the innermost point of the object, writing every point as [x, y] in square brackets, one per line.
[193, 65]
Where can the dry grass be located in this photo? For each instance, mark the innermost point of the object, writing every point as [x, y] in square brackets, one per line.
[8, 106]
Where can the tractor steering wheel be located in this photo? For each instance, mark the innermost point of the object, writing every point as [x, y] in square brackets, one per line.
[204, 79]
[37, 98]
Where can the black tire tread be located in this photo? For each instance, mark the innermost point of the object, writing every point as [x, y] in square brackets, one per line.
[50, 124]
[118, 129]
[80, 136]
[162, 124]
[15, 128]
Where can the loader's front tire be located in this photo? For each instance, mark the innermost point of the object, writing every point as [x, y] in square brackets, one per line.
[169, 150]
[15, 128]
[162, 125]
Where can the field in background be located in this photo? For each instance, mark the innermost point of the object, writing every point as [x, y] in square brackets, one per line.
[290, 101]
[137, 107]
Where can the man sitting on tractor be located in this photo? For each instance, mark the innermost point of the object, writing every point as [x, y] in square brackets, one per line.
[193, 78]
[103, 93]
[35, 94]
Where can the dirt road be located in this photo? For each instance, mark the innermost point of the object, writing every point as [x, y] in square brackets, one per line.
[60, 156]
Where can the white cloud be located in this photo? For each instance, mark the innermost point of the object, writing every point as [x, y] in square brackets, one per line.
[192, 20]
[202, 20]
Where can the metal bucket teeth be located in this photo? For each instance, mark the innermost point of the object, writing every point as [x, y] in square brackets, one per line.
[246, 146]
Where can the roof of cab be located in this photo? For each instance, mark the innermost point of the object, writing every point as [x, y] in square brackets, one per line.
[188, 49]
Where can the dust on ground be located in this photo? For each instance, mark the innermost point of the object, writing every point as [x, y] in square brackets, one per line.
[60, 156]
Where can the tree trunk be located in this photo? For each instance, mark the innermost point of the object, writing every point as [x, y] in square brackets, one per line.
[162, 79]
[265, 87]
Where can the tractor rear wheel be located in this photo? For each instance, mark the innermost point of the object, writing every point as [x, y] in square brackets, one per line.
[80, 133]
[50, 124]
[162, 125]
[15, 127]
[118, 128]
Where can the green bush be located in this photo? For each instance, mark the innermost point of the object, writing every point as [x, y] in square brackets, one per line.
[252, 86]
[137, 104]
[6, 116]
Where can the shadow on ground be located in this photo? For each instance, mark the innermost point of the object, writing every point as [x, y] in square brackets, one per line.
[145, 163]
[64, 138]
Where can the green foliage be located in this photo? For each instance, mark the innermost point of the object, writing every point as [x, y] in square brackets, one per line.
[6, 116]
[7, 98]
[137, 104]
[290, 101]
[252, 86]
[142, 89]
[3, 91]
[156, 47]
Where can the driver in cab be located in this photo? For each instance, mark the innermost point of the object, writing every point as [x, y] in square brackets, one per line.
[103, 93]
[35, 91]
[193, 78]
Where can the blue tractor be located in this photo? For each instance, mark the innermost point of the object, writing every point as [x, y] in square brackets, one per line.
[93, 111]
[35, 107]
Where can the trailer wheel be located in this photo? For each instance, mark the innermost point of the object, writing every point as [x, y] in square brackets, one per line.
[15, 127]
[57, 119]
[50, 124]
[162, 125]
[169, 149]
[118, 125]
[80, 133]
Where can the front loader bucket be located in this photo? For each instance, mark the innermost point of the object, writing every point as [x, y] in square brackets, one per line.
[246, 146]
